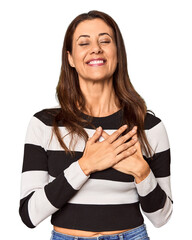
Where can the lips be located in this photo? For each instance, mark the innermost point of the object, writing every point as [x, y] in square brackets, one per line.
[96, 62]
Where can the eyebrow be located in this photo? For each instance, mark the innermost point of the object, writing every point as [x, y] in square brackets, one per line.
[100, 34]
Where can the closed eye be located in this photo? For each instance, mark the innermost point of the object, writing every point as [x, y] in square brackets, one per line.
[105, 42]
[101, 42]
[83, 44]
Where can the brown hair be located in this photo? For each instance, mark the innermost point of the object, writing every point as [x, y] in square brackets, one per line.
[72, 101]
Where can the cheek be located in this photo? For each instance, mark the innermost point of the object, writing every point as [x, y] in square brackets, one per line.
[113, 55]
[78, 57]
[114, 60]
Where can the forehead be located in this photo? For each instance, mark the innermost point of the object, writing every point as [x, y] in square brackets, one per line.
[92, 27]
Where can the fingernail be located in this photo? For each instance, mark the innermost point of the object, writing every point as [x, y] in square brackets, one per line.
[125, 126]
[98, 129]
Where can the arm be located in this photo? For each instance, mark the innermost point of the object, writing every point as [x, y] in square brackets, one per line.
[155, 190]
[39, 197]
[152, 177]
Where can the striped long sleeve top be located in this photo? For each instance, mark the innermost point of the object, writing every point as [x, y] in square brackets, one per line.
[53, 184]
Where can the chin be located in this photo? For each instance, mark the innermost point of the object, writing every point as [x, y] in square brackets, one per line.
[99, 77]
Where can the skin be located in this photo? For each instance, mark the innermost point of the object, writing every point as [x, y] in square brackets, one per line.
[93, 40]
[95, 81]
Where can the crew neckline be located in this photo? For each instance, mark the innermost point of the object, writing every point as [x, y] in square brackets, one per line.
[104, 117]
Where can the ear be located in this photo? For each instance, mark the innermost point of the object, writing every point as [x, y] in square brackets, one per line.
[70, 59]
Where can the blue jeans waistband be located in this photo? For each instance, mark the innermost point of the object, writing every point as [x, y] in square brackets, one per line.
[138, 231]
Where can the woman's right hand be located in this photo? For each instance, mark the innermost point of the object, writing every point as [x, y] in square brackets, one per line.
[98, 156]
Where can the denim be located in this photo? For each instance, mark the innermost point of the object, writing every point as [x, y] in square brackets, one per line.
[138, 233]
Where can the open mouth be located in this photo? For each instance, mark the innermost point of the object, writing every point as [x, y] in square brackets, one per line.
[96, 62]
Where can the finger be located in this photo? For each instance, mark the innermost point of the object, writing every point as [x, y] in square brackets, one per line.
[105, 135]
[116, 134]
[95, 136]
[125, 154]
[126, 146]
[125, 137]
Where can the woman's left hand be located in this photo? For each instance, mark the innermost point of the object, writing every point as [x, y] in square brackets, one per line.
[134, 165]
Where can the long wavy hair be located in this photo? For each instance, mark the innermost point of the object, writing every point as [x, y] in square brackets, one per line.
[72, 101]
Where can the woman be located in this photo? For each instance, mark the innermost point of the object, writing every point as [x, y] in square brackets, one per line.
[93, 182]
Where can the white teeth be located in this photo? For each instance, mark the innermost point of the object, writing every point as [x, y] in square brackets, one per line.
[96, 62]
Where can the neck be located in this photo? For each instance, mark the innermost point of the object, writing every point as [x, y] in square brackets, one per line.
[100, 98]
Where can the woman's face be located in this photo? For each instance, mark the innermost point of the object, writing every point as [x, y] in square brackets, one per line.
[94, 51]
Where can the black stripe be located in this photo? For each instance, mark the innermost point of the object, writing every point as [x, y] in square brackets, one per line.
[113, 175]
[154, 201]
[160, 163]
[60, 160]
[150, 121]
[23, 211]
[59, 191]
[98, 217]
[113, 121]
[47, 116]
[35, 158]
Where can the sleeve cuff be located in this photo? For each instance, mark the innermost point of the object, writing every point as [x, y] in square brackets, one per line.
[75, 175]
[147, 185]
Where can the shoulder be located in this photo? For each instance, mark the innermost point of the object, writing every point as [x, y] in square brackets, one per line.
[156, 133]
[47, 115]
[151, 120]
[39, 128]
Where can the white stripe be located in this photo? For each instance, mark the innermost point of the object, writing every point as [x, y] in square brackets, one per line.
[75, 175]
[165, 184]
[35, 132]
[157, 137]
[79, 143]
[90, 132]
[33, 180]
[161, 216]
[95, 185]
[51, 178]
[96, 191]
[147, 185]
[39, 207]
[40, 134]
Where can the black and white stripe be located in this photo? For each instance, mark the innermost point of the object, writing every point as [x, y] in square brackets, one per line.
[53, 183]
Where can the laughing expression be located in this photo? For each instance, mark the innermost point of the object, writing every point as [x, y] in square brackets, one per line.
[94, 51]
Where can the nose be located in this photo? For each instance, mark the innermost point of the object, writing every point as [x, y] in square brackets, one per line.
[96, 48]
